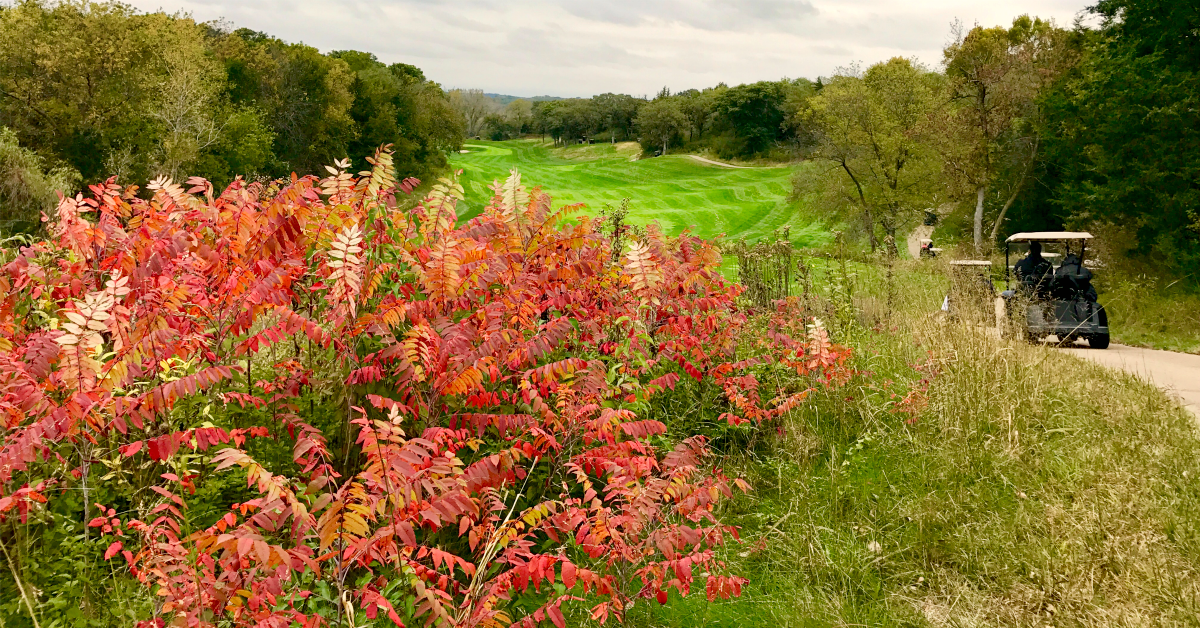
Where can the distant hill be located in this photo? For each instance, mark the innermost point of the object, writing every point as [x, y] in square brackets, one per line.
[504, 99]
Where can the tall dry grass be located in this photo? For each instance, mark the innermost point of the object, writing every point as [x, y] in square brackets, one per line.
[963, 480]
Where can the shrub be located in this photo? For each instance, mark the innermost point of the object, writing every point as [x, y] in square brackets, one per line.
[432, 420]
[26, 188]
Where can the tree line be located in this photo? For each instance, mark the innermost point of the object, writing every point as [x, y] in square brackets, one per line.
[1026, 127]
[1029, 126]
[747, 121]
[91, 90]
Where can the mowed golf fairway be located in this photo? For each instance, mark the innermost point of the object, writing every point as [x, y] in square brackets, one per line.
[676, 191]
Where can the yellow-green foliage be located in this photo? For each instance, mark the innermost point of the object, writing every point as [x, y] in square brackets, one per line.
[26, 188]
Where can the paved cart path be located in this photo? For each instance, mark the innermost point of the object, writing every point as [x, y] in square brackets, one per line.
[705, 160]
[1177, 373]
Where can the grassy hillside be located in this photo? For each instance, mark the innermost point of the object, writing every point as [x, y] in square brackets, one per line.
[675, 190]
[959, 480]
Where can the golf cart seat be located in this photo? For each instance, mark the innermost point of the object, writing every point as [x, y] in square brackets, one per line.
[1073, 281]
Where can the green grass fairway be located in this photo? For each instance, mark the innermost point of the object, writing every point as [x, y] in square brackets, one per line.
[676, 190]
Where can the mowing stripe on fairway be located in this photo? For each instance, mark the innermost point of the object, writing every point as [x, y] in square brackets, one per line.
[675, 190]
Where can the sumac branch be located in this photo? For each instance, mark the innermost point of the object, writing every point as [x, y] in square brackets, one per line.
[457, 400]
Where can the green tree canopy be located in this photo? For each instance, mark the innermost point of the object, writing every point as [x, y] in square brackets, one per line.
[659, 121]
[755, 113]
[617, 112]
[1124, 130]
[876, 133]
[394, 104]
[79, 82]
[105, 90]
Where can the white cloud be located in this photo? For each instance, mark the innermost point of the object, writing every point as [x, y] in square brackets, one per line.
[585, 47]
[708, 15]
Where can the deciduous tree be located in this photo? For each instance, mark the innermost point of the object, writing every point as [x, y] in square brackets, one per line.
[618, 112]
[876, 129]
[995, 76]
[77, 80]
[659, 122]
[755, 113]
[474, 106]
[699, 107]
[188, 100]
[519, 112]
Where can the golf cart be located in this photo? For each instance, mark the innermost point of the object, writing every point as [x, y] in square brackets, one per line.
[1058, 301]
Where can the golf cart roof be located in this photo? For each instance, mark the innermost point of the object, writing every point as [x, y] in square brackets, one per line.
[925, 240]
[1049, 236]
[970, 262]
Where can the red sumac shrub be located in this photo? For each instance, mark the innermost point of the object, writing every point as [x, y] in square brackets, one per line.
[484, 371]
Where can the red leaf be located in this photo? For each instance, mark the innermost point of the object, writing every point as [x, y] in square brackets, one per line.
[556, 616]
[568, 575]
[155, 450]
[405, 530]
[244, 545]
[132, 448]
[516, 292]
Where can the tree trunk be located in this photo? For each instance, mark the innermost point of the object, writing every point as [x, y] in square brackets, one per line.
[1016, 191]
[979, 194]
[868, 219]
[665, 146]
[1007, 204]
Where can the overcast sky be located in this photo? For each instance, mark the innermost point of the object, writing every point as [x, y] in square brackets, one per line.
[587, 47]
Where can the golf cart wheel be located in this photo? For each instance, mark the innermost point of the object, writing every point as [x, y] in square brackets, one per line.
[1100, 341]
